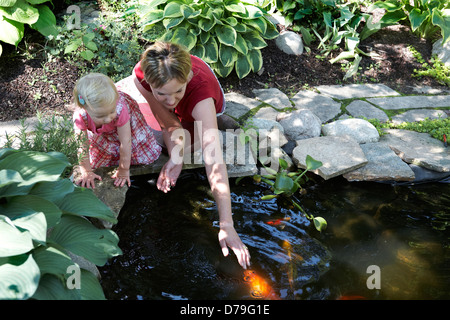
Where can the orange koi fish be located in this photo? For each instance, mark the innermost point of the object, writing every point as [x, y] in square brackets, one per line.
[277, 222]
[259, 287]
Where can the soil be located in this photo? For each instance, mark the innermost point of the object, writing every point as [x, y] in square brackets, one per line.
[28, 85]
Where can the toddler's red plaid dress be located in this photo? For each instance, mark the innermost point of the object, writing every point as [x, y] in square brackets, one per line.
[104, 141]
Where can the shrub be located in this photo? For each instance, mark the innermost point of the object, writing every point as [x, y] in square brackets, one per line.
[42, 219]
[227, 34]
[15, 14]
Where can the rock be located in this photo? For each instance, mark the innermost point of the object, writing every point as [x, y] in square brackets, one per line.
[411, 102]
[300, 124]
[338, 155]
[237, 105]
[383, 165]
[363, 109]
[323, 107]
[442, 51]
[351, 91]
[274, 97]
[290, 43]
[418, 115]
[360, 130]
[419, 149]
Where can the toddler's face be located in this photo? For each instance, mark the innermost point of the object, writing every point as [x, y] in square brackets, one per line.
[102, 115]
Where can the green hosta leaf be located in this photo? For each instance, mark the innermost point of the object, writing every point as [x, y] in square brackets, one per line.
[204, 37]
[83, 202]
[254, 40]
[241, 45]
[228, 55]
[9, 179]
[79, 236]
[252, 12]
[52, 260]
[172, 22]
[232, 21]
[12, 240]
[320, 223]
[22, 12]
[255, 59]
[221, 70]
[442, 19]
[416, 17]
[271, 32]
[173, 10]
[243, 67]
[152, 17]
[34, 167]
[30, 204]
[206, 24]
[235, 7]
[37, 1]
[184, 37]
[198, 51]
[7, 3]
[46, 24]
[226, 35]
[12, 31]
[211, 51]
[259, 24]
[19, 277]
[52, 287]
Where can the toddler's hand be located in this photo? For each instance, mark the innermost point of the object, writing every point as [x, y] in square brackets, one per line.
[121, 177]
[87, 179]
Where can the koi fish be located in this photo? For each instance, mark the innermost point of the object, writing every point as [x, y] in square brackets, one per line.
[259, 287]
[292, 255]
[277, 222]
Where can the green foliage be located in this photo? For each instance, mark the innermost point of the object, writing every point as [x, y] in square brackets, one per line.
[227, 34]
[335, 24]
[54, 133]
[15, 14]
[42, 219]
[437, 69]
[284, 183]
[436, 128]
[107, 47]
[426, 17]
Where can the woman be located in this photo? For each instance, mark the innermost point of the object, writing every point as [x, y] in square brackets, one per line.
[181, 89]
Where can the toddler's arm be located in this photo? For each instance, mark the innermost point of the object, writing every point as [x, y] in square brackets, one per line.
[87, 175]
[122, 175]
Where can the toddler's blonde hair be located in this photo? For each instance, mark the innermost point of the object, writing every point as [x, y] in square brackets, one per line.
[95, 90]
[165, 61]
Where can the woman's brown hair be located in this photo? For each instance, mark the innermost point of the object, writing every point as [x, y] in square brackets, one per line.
[164, 61]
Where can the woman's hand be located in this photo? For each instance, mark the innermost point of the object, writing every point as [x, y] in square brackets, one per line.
[121, 177]
[87, 179]
[228, 237]
[168, 176]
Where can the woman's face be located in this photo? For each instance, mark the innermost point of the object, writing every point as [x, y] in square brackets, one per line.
[170, 94]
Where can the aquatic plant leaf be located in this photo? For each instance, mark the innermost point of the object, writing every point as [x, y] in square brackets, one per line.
[312, 164]
[320, 223]
[269, 197]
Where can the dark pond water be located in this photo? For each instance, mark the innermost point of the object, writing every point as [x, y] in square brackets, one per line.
[393, 239]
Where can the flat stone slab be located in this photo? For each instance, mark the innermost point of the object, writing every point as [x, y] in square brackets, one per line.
[419, 115]
[338, 155]
[411, 102]
[273, 97]
[360, 130]
[237, 105]
[383, 165]
[418, 148]
[363, 109]
[323, 107]
[342, 92]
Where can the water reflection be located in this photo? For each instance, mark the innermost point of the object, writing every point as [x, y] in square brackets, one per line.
[170, 247]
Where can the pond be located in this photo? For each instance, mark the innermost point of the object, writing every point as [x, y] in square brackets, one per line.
[383, 242]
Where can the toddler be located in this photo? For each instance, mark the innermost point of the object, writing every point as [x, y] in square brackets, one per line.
[115, 129]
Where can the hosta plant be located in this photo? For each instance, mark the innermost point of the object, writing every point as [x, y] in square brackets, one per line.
[42, 224]
[15, 14]
[227, 34]
[426, 17]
